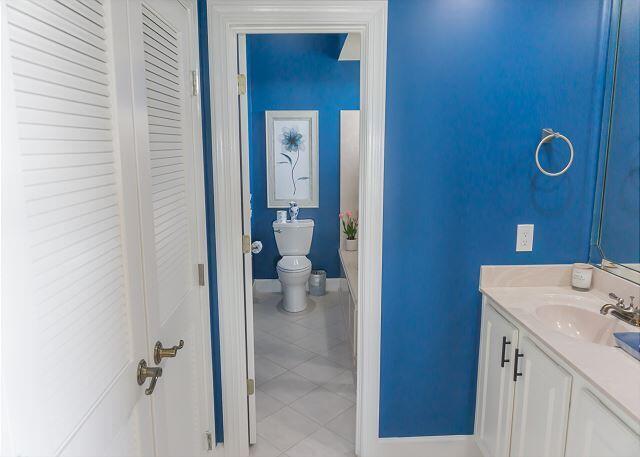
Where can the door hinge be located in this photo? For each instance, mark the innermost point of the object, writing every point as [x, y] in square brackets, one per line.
[242, 84]
[201, 274]
[209, 441]
[246, 244]
[194, 83]
[251, 387]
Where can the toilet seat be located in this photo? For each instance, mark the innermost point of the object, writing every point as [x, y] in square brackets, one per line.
[294, 264]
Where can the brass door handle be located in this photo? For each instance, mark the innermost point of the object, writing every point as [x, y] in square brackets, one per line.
[145, 372]
[160, 352]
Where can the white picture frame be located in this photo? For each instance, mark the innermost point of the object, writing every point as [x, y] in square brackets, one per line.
[292, 158]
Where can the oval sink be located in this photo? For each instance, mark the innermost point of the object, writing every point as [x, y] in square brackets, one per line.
[580, 324]
[560, 299]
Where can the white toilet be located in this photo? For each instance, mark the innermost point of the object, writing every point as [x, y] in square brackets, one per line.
[294, 241]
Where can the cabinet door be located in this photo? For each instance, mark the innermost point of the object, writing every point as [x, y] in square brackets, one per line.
[495, 384]
[594, 430]
[541, 405]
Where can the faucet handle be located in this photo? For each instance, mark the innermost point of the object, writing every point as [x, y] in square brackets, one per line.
[632, 305]
[619, 301]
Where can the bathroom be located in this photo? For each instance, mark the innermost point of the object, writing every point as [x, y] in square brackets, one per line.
[303, 166]
[337, 228]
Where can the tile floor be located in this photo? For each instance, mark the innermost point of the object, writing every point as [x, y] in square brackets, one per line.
[305, 394]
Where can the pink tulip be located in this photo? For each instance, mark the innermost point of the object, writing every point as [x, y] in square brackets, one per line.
[340, 215]
[349, 213]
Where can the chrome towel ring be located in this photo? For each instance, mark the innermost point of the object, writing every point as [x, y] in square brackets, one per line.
[548, 135]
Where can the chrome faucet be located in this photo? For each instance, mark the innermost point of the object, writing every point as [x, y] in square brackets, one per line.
[293, 211]
[628, 313]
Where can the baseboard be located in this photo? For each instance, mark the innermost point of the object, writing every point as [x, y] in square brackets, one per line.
[273, 285]
[427, 446]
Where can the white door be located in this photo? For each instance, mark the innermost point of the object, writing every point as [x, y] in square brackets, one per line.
[495, 384]
[171, 198]
[541, 407]
[594, 430]
[73, 322]
[246, 233]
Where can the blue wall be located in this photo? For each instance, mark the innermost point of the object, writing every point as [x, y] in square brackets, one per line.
[299, 72]
[205, 98]
[621, 213]
[470, 84]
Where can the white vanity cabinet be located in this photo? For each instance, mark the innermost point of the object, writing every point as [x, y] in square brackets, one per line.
[499, 339]
[541, 406]
[530, 403]
[595, 430]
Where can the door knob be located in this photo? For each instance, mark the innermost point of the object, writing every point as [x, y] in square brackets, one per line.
[145, 372]
[160, 352]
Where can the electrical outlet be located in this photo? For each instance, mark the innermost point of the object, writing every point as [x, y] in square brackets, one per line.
[524, 238]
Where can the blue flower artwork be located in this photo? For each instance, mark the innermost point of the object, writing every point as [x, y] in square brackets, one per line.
[293, 143]
[292, 158]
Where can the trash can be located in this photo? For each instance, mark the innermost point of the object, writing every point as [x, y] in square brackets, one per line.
[318, 283]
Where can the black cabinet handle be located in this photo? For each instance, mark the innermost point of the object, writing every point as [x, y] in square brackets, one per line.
[515, 365]
[504, 349]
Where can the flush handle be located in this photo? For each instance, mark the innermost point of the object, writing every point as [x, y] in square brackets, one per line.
[515, 366]
[160, 352]
[504, 350]
[145, 372]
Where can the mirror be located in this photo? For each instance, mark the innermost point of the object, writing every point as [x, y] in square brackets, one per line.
[616, 228]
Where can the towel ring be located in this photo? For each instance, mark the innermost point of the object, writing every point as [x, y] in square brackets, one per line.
[548, 135]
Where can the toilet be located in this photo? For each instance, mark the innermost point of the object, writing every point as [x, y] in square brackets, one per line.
[294, 241]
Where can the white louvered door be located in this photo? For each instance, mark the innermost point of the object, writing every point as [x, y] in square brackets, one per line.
[171, 188]
[73, 317]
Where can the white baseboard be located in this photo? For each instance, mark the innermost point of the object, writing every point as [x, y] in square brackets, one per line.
[273, 285]
[427, 446]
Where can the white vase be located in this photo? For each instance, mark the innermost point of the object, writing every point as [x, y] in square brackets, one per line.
[350, 245]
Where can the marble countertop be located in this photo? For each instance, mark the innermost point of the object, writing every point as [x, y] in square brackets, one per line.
[612, 371]
[349, 261]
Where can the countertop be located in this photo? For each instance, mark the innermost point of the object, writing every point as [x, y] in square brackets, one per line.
[349, 261]
[612, 371]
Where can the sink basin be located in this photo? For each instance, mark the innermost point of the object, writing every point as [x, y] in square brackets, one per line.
[575, 299]
[580, 324]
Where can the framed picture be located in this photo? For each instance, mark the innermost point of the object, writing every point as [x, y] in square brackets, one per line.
[292, 158]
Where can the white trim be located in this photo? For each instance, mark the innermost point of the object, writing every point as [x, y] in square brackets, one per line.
[201, 223]
[274, 286]
[447, 445]
[226, 19]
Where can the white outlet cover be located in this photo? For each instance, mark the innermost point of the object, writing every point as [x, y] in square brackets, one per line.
[524, 238]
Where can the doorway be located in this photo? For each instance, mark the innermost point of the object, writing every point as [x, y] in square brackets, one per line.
[226, 23]
[299, 122]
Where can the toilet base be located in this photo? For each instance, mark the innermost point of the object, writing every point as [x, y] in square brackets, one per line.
[311, 305]
[294, 298]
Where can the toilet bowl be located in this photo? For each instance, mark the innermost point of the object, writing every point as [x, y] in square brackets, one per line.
[294, 241]
[293, 273]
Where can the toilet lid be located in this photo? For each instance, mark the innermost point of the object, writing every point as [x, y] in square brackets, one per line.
[294, 263]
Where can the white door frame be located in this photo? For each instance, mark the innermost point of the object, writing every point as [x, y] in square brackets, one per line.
[226, 19]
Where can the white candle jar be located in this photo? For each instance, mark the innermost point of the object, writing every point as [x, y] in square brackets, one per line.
[581, 276]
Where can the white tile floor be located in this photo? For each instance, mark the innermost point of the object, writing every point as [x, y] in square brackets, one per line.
[305, 394]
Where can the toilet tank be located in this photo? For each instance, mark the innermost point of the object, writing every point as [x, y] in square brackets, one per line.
[293, 237]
